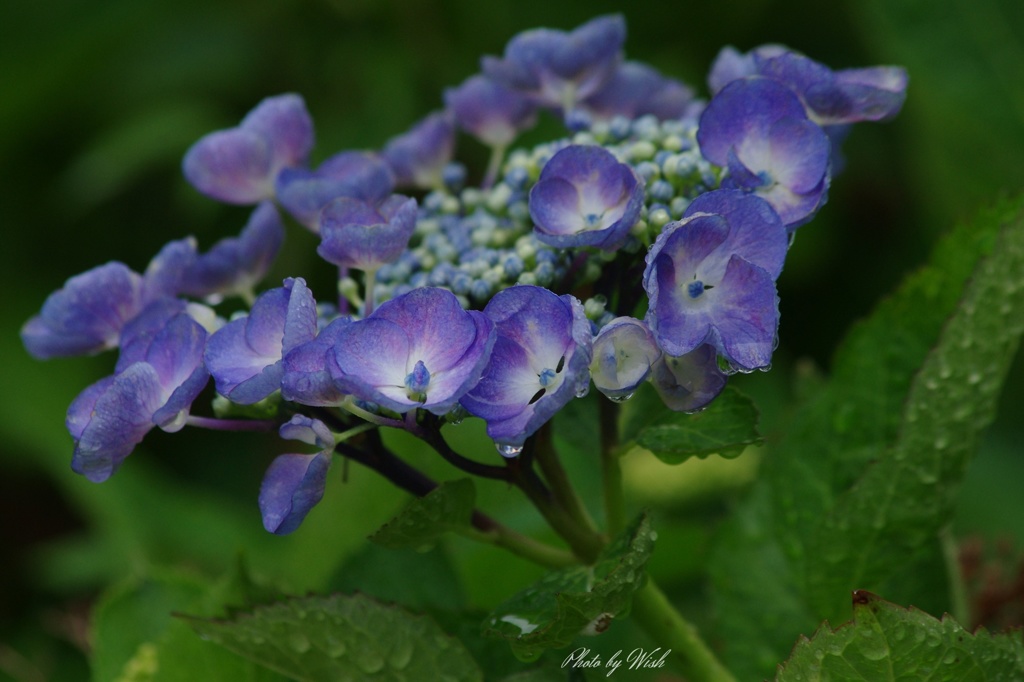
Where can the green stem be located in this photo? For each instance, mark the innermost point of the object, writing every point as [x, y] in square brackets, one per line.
[957, 592]
[611, 471]
[585, 544]
[493, 166]
[656, 615]
[491, 532]
[561, 487]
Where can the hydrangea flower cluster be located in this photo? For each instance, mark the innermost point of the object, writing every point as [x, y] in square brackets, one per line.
[644, 246]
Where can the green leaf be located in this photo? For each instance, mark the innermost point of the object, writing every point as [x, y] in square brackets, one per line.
[448, 507]
[725, 428]
[137, 638]
[852, 497]
[552, 612]
[888, 642]
[330, 639]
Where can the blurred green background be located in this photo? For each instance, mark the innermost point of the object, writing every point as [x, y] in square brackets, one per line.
[99, 100]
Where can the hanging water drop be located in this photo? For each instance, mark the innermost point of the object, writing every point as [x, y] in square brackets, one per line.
[620, 398]
[582, 391]
[508, 450]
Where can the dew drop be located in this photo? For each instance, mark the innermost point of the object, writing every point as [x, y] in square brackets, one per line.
[941, 443]
[583, 391]
[950, 658]
[620, 398]
[370, 662]
[298, 642]
[335, 648]
[401, 654]
[974, 378]
[509, 450]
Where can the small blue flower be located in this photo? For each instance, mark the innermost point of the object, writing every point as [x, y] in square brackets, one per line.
[711, 277]
[235, 265]
[539, 362]
[558, 69]
[492, 113]
[293, 484]
[830, 97]
[420, 349]
[359, 235]
[757, 128]
[359, 175]
[418, 157]
[689, 382]
[245, 355]
[239, 165]
[159, 374]
[624, 351]
[585, 197]
[635, 90]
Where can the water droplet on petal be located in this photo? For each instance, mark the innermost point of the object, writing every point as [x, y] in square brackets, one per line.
[582, 391]
[620, 398]
[508, 450]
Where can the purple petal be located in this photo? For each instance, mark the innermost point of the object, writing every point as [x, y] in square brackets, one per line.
[358, 175]
[286, 124]
[167, 273]
[624, 351]
[491, 112]
[355, 234]
[233, 166]
[418, 156]
[311, 431]
[690, 382]
[306, 379]
[746, 315]
[636, 89]
[86, 315]
[755, 230]
[292, 486]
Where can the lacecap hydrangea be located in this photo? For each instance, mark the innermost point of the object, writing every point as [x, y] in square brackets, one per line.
[642, 246]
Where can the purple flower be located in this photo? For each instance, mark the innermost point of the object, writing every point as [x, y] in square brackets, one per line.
[356, 234]
[159, 374]
[539, 363]
[490, 111]
[360, 175]
[86, 315]
[418, 157]
[711, 277]
[235, 265]
[585, 197]
[688, 383]
[244, 356]
[306, 378]
[624, 351]
[830, 97]
[635, 90]
[239, 165]
[294, 484]
[558, 69]
[420, 349]
[757, 128]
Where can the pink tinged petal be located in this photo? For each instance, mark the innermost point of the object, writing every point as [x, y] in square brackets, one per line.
[287, 126]
[292, 486]
[233, 166]
[689, 382]
[120, 418]
[86, 315]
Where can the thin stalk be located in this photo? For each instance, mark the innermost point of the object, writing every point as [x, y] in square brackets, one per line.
[585, 544]
[656, 615]
[564, 493]
[215, 424]
[370, 283]
[957, 592]
[487, 530]
[493, 166]
[430, 433]
[342, 299]
[611, 471]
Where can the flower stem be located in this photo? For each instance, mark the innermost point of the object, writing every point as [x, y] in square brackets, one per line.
[493, 166]
[370, 283]
[656, 615]
[611, 471]
[561, 487]
[486, 529]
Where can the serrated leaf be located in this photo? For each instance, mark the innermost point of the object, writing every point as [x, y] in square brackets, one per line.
[839, 437]
[341, 638]
[901, 502]
[888, 642]
[725, 428]
[448, 507]
[553, 611]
